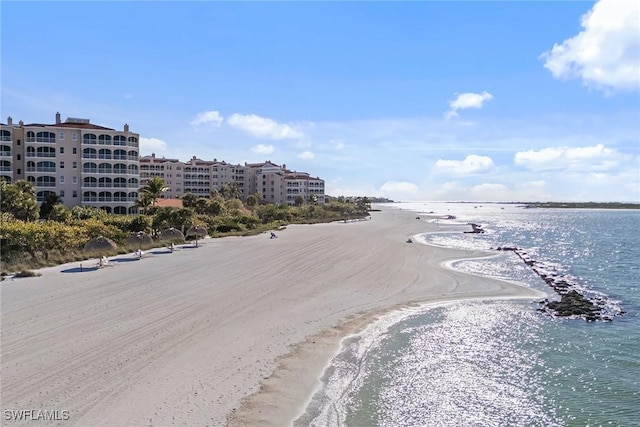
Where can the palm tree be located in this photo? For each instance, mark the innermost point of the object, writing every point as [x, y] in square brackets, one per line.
[230, 190]
[144, 202]
[154, 188]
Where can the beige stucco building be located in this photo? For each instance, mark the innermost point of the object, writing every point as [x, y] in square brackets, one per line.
[85, 164]
[273, 183]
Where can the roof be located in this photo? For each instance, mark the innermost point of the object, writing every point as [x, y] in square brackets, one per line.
[157, 159]
[169, 203]
[80, 126]
[305, 177]
[70, 125]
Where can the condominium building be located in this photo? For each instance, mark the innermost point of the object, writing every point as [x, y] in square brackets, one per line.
[87, 164]
[301, 184]
[83, 163]
[195, 176]
[273, 183]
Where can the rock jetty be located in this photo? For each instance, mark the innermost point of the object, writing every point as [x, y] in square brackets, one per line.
[475, 229]
[573, 303]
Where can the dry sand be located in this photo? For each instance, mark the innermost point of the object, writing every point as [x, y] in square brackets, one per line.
[190, 337]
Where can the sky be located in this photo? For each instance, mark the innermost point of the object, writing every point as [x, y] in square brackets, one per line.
[477, 101]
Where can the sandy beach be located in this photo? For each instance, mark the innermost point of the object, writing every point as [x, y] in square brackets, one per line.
[234, 332]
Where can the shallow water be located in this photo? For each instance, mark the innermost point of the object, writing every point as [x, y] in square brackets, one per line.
[498, 363]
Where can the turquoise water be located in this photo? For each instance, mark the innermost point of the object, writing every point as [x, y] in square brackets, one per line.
[501, 363]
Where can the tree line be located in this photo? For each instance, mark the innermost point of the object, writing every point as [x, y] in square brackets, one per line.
[33, 235]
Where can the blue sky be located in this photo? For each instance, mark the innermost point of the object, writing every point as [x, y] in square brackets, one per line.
[508, 101]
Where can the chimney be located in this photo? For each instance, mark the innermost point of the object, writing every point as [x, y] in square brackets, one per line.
[58, 121]
[21, 123]
[153, 155]
[126, 127]
[9, 121]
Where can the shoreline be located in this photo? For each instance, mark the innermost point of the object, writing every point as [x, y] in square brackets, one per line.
[191, 337]
[298, 375]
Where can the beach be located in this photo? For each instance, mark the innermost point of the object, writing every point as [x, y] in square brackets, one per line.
[234, 332]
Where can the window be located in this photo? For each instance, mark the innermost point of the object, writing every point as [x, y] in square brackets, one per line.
[62, 149]
[75, 193]
[61, 179]
[19, 171]
[61, 164]
[75, 179]
[75, 165]
[74, 136]
[61, 193]
[19, 157]
[18, 142]
[75, 150]
[61, 135]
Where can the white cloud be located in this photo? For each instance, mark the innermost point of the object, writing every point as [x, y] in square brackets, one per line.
[261, 127]
[467, 100]
[470, 100]
[306, 155]
[337, 144]
[606, 54]
[207, 117]
[128, 96]
[152, 145]
[262, 149]
[400, 190]
[597, 157]
[470, 165]
[524, 191]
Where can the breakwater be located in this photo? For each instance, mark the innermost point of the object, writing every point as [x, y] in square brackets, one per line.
[574, 302]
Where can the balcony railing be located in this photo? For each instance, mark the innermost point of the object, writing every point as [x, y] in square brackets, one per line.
[107, 200]
[5, 138]
[5, 153]
[40, 169]
[40, 155]
[45, 184]
[5, 169]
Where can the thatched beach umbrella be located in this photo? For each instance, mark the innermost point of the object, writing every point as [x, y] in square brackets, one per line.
[138, 240]
[100, 245]
[197, 231]
[172, 234]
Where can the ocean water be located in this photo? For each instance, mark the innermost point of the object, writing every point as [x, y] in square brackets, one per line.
[501, 362]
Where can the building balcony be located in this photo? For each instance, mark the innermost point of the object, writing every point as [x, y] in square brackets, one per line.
[41, 170]
[48, 155]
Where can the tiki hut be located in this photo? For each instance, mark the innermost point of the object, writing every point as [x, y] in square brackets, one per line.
[172, 235]
[197, 231]
[100, 245]
[139, 240]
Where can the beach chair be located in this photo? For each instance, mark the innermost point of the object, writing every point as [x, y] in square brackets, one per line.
[104, 262]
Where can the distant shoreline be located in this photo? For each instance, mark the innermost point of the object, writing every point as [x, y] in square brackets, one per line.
[557, 205]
